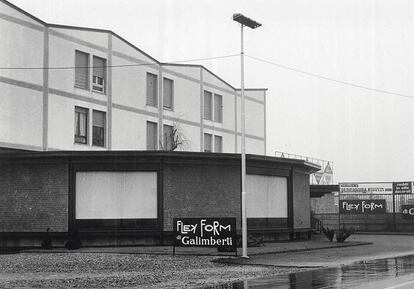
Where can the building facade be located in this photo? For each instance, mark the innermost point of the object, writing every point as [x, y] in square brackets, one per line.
[132, 197]
[72, 88]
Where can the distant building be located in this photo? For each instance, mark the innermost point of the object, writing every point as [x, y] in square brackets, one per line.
[117, 98]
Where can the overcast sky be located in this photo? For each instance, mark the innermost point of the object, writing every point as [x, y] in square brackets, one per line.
[368, 135]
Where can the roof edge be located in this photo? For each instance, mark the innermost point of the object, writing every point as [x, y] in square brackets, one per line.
[24, 12]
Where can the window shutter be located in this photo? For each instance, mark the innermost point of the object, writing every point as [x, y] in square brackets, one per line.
[218, 144]
[98, 73]
[151, 135]
[99, 67]
[152, 89]
[168, 93]
[218, 108]
[82, 70]
[207, 105]
[207, 142]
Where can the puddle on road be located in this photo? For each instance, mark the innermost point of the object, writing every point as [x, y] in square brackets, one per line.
[348, 276]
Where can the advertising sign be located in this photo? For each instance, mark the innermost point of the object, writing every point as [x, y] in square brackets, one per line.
[205, 232]
[403, 188]
[407, 211]
[362, 206]
[365, 188]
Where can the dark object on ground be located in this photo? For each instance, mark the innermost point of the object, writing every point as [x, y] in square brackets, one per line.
[252, 241]
[343, 234]
[329, 233]
[47, 241]
[255, 241]
[226, 249]
[74, 241]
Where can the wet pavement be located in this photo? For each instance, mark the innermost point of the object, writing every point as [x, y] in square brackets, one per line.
[384, 273]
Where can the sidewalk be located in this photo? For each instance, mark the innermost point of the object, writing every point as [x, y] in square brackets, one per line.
[318, 243]
[381, 247]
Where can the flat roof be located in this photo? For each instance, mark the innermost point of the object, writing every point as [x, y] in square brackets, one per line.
[27, 155]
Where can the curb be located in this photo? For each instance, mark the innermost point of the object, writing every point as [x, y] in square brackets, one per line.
[313, 249]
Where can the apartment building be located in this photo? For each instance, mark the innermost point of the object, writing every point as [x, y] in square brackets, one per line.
[73, 88]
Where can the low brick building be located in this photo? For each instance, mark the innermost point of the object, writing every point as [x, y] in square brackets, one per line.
[131, 197]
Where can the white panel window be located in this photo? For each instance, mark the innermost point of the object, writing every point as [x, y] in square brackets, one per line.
[152, 143]
[152, 89]
[116, 195]
[208, 138]
[266, 196]
[168, 97]
[208, 104]
[99, 74]
[218, 108]
[218, 144]
[81, 69]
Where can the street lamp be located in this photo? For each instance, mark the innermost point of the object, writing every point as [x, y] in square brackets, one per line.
[244, 21]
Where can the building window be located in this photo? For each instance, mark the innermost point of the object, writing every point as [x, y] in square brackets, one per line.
[99, 74]
[208, 142]
[168, 138]
[208, 99]
[168, 97]
[218, 108]
[152, 135]
[81, 69]
[218, 144]
[81, 125]
[98, 128]
[152, 90]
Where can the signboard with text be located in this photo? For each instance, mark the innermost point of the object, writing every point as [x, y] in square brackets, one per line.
[362, 206]
[403, 187]
[205, 232]
[407, 211]
[365, 188]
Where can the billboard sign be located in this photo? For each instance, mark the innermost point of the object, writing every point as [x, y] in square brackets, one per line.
[362, 207]
[205, 232]
[365, 188]
[403, 187]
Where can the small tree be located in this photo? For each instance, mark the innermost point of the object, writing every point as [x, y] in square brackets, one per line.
[173, 138]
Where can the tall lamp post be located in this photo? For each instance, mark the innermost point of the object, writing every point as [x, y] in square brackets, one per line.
[244, 21]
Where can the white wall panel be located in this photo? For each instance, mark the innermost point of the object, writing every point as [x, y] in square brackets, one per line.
[116, 195]
[266, 196]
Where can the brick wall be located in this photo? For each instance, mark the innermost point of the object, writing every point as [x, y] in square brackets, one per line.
[33, 197]
[201, 191]
[325, 204]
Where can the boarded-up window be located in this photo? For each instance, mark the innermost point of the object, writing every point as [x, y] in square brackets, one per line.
[152, 89]
[218, 108]
[266, 196]
[168, 139]
[218, 144]
[168, 97]
[81, 125]
[152, 135]
[99, 74]
[208, 138]
[116, 195]
[208, 99]
[98, 128]
[81, 70]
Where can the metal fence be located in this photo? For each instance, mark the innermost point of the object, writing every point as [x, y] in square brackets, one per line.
[395, 217]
